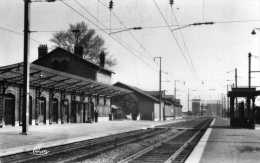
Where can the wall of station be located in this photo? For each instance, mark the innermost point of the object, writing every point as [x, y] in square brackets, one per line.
[50, 107]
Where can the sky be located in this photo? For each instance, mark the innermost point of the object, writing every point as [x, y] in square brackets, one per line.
[213, 50]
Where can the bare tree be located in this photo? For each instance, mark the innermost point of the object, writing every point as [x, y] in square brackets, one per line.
[92, 43]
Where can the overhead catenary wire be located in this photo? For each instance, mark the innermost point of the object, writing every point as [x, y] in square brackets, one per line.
[103, 26]
[101, 23]
[173, 35]
[182, 38]
[130, 32]
[104, 31]
[166, 27]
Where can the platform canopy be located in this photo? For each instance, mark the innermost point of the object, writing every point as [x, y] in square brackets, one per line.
[243, 92]
[47, 78]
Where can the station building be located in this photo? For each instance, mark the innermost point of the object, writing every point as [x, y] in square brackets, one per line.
[174, 107]
[171, 106]
[64, 88]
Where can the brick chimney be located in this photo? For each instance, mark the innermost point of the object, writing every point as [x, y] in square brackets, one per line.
[102, 59]
[42, 50]
[78, 50]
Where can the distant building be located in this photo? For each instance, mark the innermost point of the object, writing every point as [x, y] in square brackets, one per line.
[196, 106]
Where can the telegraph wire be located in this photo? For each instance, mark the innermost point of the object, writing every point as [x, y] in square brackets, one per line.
[93, 23]
[16, 33]
[177, 42]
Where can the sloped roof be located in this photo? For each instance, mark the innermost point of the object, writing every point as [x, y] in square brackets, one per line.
[137, 90]
[156, 93]
[48, 78]
[59, 50]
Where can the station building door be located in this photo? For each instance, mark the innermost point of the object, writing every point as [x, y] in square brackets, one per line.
[30, 110]
[74, 106]
[91, 111]
[80, 112]
[42, 110]
[9, 103]
[54, 113]
[86, 112]
[65, 109]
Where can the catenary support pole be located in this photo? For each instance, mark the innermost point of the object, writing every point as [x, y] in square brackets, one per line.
[26, 69]
[160, 86]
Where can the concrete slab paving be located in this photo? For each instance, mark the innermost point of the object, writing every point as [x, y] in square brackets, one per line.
[52, 135]
[227, 145]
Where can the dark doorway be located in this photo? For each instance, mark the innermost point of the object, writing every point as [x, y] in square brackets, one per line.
[30, 110]
[91, 111]
[80, 112]
[42, 110]
[55, 108]
[85, 112]
[65, 108]
[73, 114]
[9, 109]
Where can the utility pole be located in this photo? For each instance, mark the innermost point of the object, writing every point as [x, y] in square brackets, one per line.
[249, 70]
[160, 85]
[26, 68]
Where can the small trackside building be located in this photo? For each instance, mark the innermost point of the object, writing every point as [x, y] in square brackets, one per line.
[143, 104]
[171, 106]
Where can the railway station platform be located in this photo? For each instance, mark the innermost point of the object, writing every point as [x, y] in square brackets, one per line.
[223, 144]
[12, 142]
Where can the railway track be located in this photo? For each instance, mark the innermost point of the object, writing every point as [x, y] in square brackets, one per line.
[174, 149]
[89, 148]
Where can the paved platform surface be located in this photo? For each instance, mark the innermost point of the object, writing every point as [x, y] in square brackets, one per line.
[45, 136]
[227, 145]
